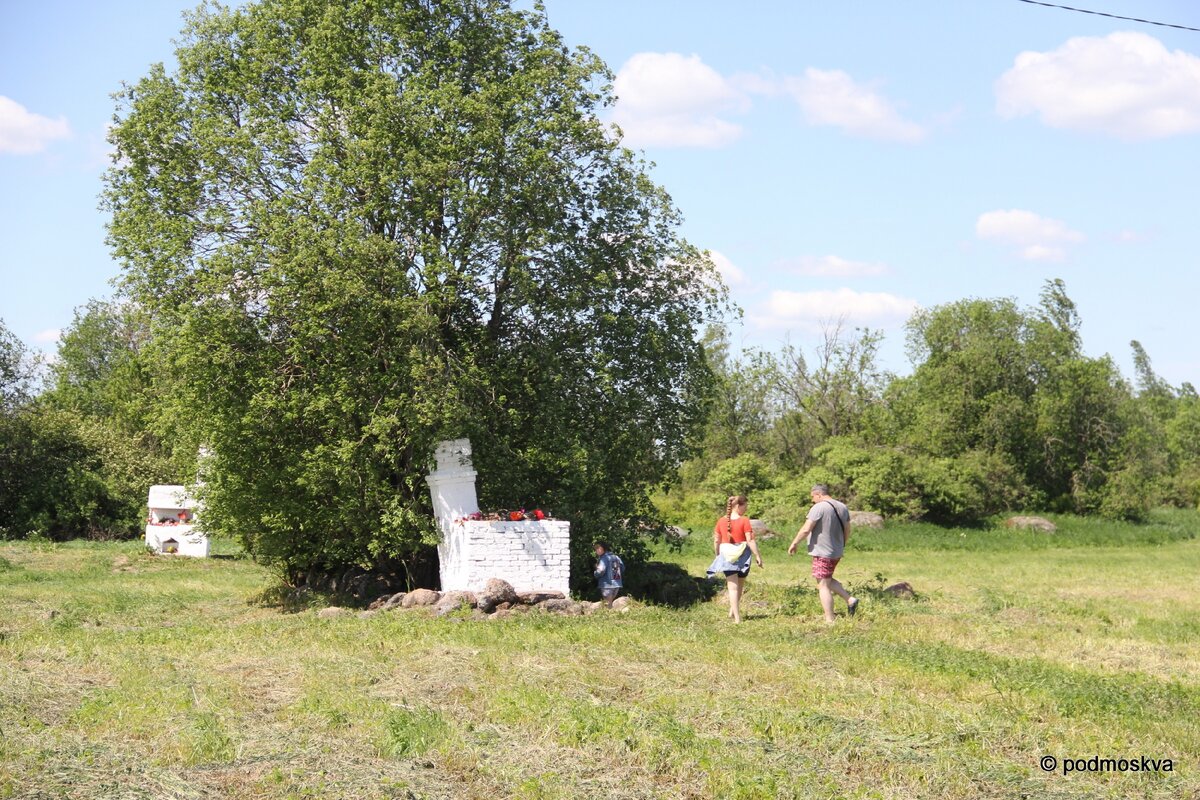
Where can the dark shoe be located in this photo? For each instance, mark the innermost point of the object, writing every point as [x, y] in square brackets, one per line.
[852, 606]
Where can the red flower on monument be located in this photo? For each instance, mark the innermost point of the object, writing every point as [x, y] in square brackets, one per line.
[538, 514]
[516, 516]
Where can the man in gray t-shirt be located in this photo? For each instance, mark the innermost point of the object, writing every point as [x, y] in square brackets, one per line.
[827, 529]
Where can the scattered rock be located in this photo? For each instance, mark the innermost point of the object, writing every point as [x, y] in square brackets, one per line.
[592, 608]
[561, 606]
[495, 592]
[623, 604]
[395, 601]
[452, 601]
[1031, 523]
[331, 612]
[533, 598]
[420, 597]
[500, 613]
[367, 614]
[902, 590]
[865, 519]
[379, 602]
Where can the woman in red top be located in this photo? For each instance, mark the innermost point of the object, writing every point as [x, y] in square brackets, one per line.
[733, 543]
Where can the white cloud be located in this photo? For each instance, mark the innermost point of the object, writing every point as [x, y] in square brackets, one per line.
[812, 310]
[1127, 236]
[48, 336]
[22, 132]
[1036, 238]
[673, 100]
[1125, 84]
[835, 267]
[831, 97]
[730, 273]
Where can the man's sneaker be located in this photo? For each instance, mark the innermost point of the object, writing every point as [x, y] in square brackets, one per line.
[852, 606]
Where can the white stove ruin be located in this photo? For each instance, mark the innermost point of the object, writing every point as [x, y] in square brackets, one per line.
[531, 555]
[171, 525]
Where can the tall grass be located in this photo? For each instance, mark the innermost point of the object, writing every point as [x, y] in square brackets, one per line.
[124, 675]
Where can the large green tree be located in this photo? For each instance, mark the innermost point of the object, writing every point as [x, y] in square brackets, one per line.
[364, 226]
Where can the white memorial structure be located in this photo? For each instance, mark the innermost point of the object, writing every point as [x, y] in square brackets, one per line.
[171, 526]
[530, 555]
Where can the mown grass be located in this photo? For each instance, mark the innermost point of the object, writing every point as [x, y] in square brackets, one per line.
[124, 675]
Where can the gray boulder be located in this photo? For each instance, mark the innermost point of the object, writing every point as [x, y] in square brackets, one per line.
[533, 598]
[395, 601]
[1031, 524]
[379, 602]
[331, 612]
[623, 604]
[420, 597]
[902, 590]
[761, 531]
[452, 601]
[865, 519]
[495, 592]
[561, 606]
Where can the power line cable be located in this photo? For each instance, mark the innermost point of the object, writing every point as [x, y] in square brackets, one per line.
[1112, 16]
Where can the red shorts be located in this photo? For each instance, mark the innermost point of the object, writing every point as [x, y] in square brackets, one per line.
[824, 567]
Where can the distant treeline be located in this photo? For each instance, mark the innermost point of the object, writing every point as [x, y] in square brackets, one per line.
[1002, 411]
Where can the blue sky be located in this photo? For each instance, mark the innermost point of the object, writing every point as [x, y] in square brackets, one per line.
[840, 159]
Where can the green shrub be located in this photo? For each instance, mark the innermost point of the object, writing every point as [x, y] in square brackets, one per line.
[1126, 496]
[743, 474]
[67, 476]
[971, 487]
[879, 479]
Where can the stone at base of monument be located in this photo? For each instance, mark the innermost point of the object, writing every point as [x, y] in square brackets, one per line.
[420, 597]
[497, 600]
[533, 598]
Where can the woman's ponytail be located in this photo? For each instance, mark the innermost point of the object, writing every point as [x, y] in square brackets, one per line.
[733, 501]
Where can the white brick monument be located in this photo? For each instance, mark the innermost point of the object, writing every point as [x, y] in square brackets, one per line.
[171, 526]
[531, 555]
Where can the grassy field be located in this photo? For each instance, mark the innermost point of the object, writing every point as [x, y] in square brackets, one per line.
[124, 675]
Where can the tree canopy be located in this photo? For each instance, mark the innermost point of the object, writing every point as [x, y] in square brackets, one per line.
[1003, 410]
[360, 228]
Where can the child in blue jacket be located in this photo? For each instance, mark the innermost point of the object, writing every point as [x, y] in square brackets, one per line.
[610, 571]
